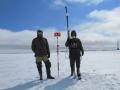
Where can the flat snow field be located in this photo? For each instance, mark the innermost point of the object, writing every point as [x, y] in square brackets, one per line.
[100, 71]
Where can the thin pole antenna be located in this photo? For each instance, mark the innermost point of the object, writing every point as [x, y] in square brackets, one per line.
[67, 22]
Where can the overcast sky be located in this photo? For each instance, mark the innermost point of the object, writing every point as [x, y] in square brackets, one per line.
[94, 20]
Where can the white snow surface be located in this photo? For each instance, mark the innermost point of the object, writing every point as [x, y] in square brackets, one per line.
[100, 70]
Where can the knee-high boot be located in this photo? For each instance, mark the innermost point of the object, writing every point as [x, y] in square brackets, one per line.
[48, 71]
[39, 67]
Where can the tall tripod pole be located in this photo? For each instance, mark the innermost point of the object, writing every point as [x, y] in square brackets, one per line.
[57, 34]
[58, 56]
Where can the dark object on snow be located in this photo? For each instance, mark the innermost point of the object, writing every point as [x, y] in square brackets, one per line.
[75, 51]
[40, 47]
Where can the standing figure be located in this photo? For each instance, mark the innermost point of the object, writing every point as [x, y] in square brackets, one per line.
[40, 47]
[75, 52]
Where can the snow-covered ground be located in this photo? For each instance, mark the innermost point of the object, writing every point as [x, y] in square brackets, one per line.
[100, 71]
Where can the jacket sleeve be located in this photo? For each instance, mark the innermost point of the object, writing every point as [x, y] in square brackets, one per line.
[81, 48]
[67, 42]
[48, 50]
[33, 46]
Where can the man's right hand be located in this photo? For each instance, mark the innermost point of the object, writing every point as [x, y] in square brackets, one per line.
[48, 55]
[82, 53]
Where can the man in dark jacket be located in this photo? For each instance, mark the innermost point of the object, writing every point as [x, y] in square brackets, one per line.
[75, 51]
[41, 49]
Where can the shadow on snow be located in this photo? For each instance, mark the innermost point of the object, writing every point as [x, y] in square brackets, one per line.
[61, 85]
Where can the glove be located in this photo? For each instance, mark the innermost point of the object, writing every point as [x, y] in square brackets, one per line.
[48, 55]
[82, 53]
[68, 39]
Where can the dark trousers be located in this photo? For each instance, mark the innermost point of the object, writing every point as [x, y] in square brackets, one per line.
[47, 65]
[73, 60]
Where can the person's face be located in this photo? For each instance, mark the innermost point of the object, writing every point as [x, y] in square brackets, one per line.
[40, 34]
[73, 35]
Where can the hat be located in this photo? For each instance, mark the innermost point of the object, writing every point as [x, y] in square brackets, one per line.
[73, 33]
[39, 32]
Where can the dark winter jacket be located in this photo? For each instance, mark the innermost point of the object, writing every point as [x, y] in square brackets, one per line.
[75, 47]
[40, 47]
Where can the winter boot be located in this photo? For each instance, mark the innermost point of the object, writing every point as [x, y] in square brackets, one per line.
[79, 77]
[50, 77]
[72, 69]
[40, 73]
[78, 74]
[41, 78]
[71, 73]
[48, 65]
[39, 67]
